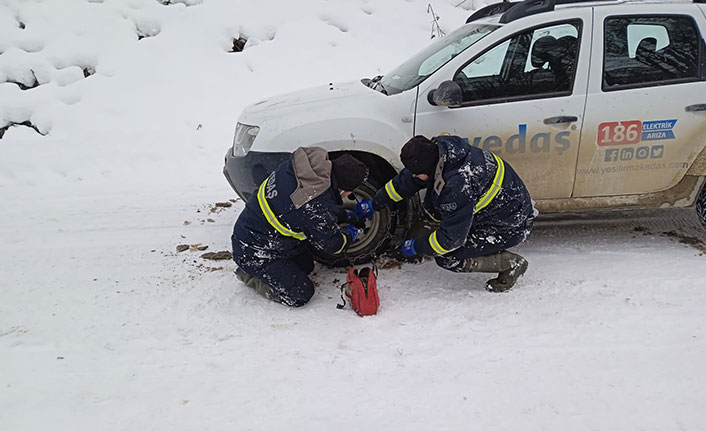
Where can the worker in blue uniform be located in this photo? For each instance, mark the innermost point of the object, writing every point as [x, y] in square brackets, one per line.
[481, 204]
[296, 208]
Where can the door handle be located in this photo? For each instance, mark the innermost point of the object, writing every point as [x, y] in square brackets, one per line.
[696, 108]
[561, 119]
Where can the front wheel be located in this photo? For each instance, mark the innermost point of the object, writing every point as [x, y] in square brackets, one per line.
[375, 236]
[701, 206]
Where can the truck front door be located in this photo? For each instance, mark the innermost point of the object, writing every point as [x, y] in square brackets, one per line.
[523, 99]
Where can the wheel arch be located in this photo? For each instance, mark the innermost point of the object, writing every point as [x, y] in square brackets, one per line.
[698, 167]
[355, 135]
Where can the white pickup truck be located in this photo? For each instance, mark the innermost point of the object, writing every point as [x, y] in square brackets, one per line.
[597, 104]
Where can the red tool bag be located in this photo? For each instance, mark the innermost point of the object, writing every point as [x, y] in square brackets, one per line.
[361, 287]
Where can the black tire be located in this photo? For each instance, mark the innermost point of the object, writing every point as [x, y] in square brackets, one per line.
[376, 234]
[701, 206]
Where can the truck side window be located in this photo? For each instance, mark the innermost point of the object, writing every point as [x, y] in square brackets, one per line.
[537, 63]
[643, 51]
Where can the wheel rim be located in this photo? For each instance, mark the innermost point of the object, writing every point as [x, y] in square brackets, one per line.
[372, 225]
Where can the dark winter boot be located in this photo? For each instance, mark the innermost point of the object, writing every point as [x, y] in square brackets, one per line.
[509, 266]
[256, 283]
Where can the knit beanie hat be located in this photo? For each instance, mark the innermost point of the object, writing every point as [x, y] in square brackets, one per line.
[420, 155]
[349, 172]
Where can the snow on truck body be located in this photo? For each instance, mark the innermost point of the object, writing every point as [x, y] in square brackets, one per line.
[596, 104]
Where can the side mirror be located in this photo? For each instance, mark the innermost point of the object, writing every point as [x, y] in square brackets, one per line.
[448, 94]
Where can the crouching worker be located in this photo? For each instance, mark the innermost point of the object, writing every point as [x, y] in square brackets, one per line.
[481, 203]
[295, 208]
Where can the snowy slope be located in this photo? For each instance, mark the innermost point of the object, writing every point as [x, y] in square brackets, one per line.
[103, 325]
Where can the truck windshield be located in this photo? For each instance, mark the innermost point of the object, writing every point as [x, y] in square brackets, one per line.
[415, 70]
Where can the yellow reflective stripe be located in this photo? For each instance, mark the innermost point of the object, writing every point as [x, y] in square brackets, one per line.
[271, 218]
[345, 241]
[391, 192]
[435, 244]
[431, 216]
[494, 187]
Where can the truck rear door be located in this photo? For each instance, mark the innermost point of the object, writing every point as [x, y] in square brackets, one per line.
[645, 117]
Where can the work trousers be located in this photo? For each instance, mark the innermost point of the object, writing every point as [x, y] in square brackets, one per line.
[485, 240]
[288, 276]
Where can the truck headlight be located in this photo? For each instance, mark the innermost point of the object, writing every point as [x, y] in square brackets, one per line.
[243, 139]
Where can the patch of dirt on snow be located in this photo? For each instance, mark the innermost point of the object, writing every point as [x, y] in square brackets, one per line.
[220, 206]
[197, 267]
[389, 263]
[218, 255]
[688, 240]
[691, 241]
[191, 247]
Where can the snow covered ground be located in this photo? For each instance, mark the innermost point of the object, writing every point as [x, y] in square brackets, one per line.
[103, 325]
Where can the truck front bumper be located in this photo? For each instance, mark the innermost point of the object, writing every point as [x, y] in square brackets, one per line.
[245, 174]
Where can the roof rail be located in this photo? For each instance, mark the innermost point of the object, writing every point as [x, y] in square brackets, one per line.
[492, 9]
[513, 10]
[527, 8]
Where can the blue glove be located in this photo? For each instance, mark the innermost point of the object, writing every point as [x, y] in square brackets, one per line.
[352, 218]
[407, 248]
[352, 232]
[364, 209]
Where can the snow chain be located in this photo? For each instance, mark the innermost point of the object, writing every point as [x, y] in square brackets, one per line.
[371, 255]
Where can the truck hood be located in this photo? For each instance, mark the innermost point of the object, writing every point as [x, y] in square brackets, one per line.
[341, 116]
[311, 99]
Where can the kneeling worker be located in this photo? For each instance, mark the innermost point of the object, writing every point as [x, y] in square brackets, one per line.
[482, 205]
[296, 207]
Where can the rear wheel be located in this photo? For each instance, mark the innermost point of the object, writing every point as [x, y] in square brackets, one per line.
[701, 206]
[375, 236]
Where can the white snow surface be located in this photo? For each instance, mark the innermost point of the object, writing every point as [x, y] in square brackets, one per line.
[104, 326]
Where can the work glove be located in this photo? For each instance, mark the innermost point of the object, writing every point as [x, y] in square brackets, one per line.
[364, 209]
[407, 248]
[352, 232]
[352, 218]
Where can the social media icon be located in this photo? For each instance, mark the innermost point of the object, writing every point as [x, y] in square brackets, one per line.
[642, 153]
[657, 152]
[627, 154]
